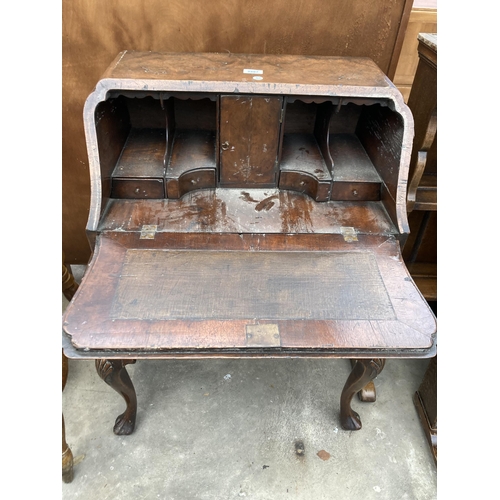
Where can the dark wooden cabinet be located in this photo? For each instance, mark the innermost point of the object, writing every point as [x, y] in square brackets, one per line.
[425, 400]
[247, 206]
[420, 252]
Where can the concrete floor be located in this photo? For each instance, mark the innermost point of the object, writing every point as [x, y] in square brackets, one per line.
[227, 429]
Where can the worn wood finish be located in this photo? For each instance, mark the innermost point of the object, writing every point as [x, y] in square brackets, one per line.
[112, 125]
[192, 164]
[423, 19]
[425, 276]
[247, 211]
[69, 288]
[381, 134]
[355, 177]
[220, 72]
[385, 134]
[425, 399]
[247, 267]
[322, 131]
[114, 373]
[368, 393]
[138, 188]
[422, 191]
[67, 455]
[94, 32]
[303, 168]
[420, 251]
[69, 285]
[426, 194]
[140, 169]
[249, 131]
[192, 157]
[403, 325]
[305, 161]
[423, 104]
[261, 285]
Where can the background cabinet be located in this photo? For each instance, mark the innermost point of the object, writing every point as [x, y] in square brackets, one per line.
[423, 19]
[420, 252]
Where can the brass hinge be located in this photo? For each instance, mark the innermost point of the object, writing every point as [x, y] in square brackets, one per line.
[148, 232]
[349, 234]
[267, 335]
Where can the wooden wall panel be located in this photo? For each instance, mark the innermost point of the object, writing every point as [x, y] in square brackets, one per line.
[422, 20]
[95, 31]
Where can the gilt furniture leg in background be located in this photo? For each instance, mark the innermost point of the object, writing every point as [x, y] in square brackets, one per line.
[114, 373]
[67, 455]
[69, 287]
[364, 371]
[425, 400]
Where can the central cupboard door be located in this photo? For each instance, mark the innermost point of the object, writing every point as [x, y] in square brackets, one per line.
[249, 139]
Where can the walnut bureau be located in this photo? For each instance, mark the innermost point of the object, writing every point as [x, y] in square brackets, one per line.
[246, 206]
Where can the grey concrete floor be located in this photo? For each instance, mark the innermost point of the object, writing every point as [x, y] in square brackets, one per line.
[227, 429]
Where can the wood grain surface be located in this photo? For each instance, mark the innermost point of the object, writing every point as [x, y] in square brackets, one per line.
[180, 284]
[405, 325]
[384, 131]
[246, 211]
[249, 131]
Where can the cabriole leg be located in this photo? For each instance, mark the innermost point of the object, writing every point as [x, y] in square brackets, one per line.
[67, 455]
[368, 394]
[364, 371]
[113, 372]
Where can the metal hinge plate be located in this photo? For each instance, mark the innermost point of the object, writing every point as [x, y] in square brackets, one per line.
[263, 336]
[148, 232]
[349, 234]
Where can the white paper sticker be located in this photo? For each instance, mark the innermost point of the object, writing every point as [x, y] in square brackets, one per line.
[258, 77]
[253, 71]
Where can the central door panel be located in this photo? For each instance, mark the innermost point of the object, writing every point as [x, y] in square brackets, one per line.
[249, 138]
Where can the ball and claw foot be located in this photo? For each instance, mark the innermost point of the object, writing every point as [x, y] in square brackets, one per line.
[67, 455]
[113, 372]
[124, 425]
[351, 422]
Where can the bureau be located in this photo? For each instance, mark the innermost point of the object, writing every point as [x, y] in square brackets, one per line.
[246, 206]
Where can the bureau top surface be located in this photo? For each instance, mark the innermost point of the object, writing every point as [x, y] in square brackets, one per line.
[227, 72]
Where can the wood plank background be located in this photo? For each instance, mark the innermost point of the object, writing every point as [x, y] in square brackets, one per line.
[94, 32]
[423, 19]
